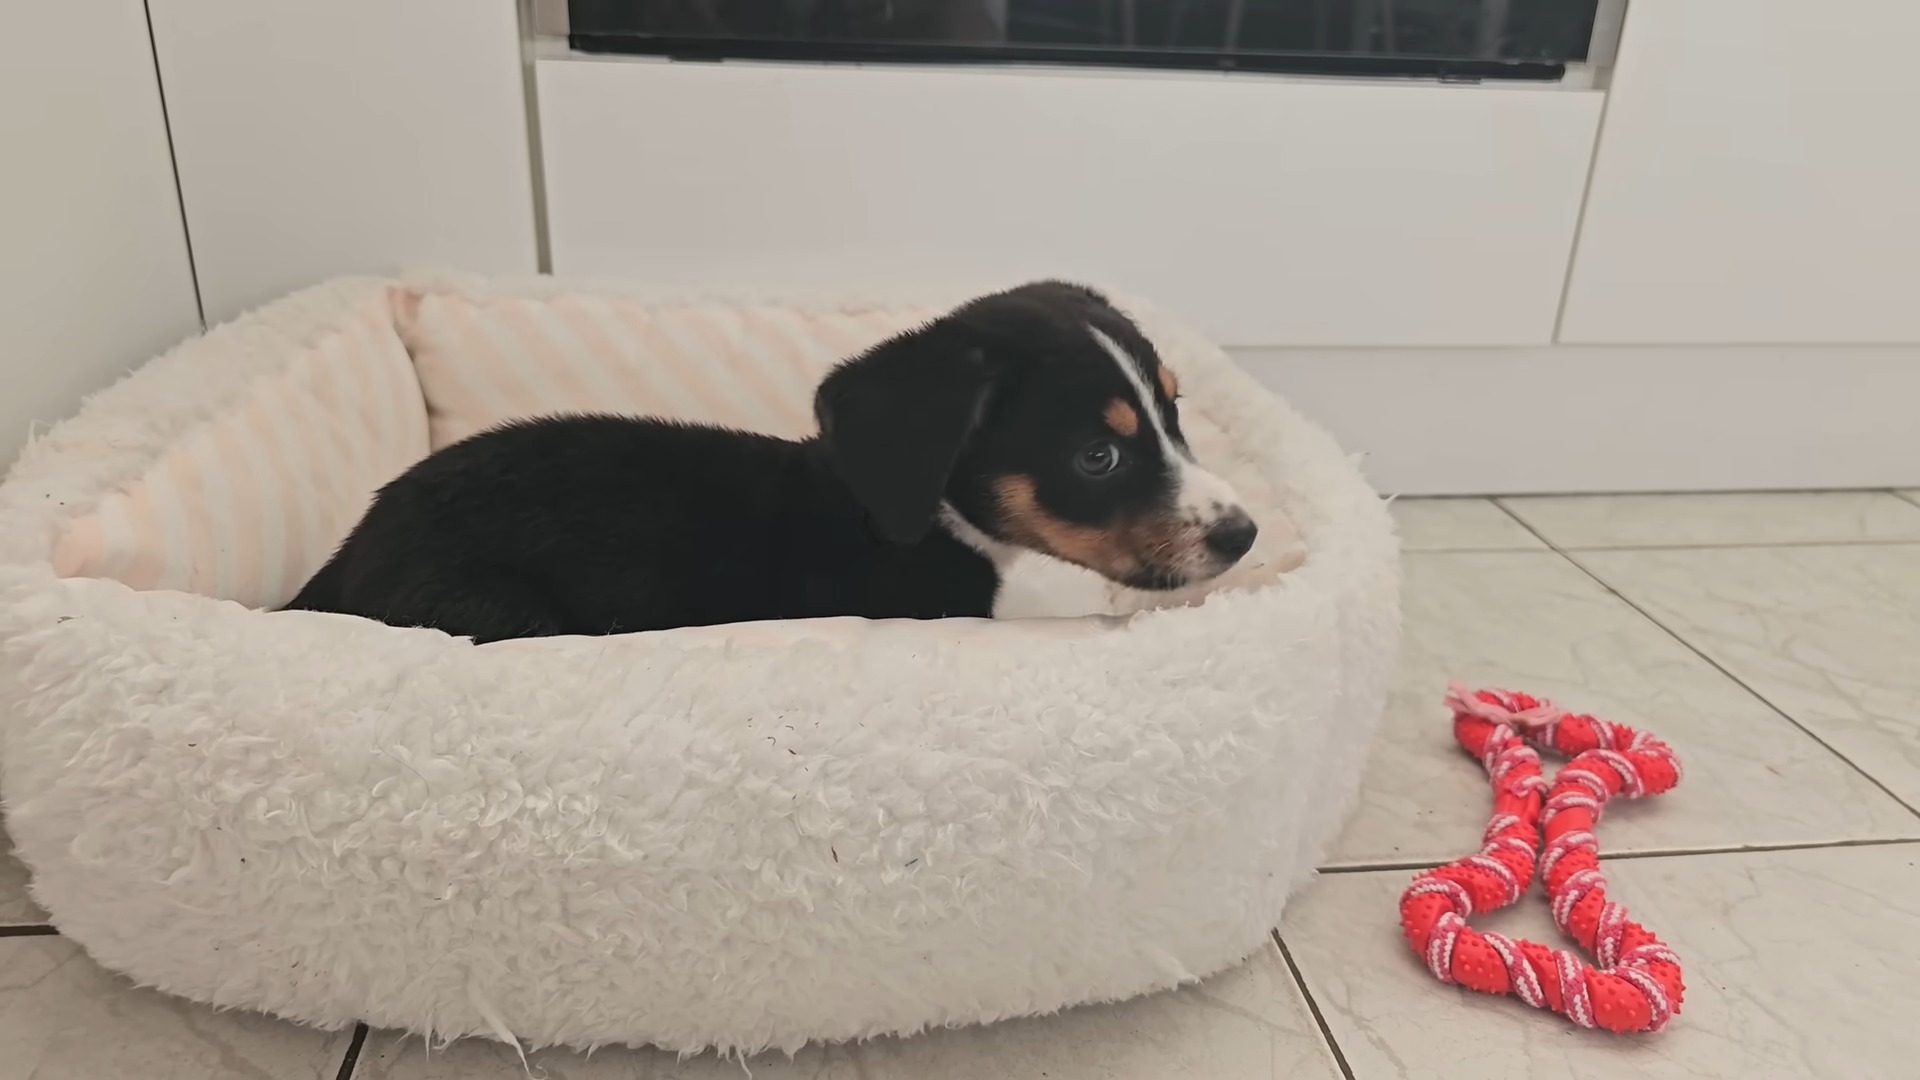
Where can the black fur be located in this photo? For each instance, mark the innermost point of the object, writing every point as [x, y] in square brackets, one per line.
[612, 524]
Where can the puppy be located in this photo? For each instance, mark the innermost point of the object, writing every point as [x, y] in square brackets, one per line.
[1034, 420]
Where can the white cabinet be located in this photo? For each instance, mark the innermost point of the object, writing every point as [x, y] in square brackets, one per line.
[351, 136]
[1272, 211]
[94, 275]
[1757, 177]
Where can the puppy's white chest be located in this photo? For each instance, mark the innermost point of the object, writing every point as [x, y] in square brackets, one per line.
[1035, 586]
[1032, 585]
[1038, 586]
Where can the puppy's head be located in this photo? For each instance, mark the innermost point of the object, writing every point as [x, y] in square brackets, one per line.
[1046, 420]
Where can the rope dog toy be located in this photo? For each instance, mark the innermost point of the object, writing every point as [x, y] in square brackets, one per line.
[1636, 985]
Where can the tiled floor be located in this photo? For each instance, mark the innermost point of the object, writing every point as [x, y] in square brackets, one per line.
[1773, 640]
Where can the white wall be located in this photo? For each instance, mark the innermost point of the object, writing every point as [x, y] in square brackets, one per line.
[94, 274]
[1754, 184]
[350, 136]
[1756, 179]
[1272, 211]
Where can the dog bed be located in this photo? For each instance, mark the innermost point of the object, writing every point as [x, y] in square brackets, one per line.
[735, 837]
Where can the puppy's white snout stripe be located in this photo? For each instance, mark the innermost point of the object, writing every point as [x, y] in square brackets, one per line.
[1201, 497]
[1206, 498]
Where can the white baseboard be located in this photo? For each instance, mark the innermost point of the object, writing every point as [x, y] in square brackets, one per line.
[1591, 418]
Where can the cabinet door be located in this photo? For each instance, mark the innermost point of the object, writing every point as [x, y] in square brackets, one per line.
[344, 137]
[94, 274]
[1756, 178]
[1271, 211]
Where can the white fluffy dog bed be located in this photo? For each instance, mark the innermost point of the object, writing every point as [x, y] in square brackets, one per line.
[735, 837]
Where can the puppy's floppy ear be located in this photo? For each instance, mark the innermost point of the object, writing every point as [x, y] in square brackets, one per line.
[896, 419]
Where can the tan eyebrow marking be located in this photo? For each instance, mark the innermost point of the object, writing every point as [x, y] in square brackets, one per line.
[1121, 417]
[1168, 383]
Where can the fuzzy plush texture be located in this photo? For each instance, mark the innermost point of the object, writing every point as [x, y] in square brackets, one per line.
[731, 837]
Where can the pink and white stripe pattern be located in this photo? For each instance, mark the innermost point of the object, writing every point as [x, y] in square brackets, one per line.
[484, 360]
[246, 505]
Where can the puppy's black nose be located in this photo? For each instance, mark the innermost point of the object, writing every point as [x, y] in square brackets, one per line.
[1232, 536]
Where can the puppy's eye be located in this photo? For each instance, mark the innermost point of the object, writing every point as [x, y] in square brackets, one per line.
[1098, 459]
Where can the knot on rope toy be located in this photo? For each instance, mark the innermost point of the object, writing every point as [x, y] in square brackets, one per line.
[1635, 983]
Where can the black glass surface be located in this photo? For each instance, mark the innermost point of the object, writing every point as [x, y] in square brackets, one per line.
[1465, 38]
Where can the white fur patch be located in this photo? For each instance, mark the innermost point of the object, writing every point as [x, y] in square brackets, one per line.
[1033, 584]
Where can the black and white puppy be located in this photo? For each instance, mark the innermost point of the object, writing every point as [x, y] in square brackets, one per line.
[1037, 419]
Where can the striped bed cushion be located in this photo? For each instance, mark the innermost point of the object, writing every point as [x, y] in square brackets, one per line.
[247, 505]
[484, 360]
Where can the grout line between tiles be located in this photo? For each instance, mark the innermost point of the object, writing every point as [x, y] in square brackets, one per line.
[352, 1060]
[1747, 545]
[1710, 661]
[1319, 1018]
[28, 931]
[1668, 853]
[1474, 551]
[1808, 845]
[1383, 868]
[1501, 501]
[1608, 493]
[1913, 542]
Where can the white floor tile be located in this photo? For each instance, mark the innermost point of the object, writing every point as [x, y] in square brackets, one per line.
[1830, 635]
[63, 1017]
[16, 909]
[1459, 525]
[1612, 521]
[1801, 964]
[1249, 1023]
[1535, 622]
[1912, 495]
